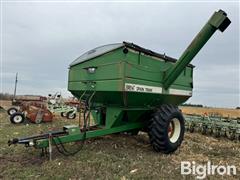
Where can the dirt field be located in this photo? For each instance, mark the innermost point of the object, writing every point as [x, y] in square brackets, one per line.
[110, 157]
[232, 113]
[5, 104]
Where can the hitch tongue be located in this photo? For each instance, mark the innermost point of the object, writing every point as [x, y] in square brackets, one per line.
[13, 141]
[26, 142]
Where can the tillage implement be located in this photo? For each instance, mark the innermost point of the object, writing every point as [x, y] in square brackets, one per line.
[216, 126]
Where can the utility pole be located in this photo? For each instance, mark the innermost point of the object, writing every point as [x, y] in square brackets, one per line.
[15, 89]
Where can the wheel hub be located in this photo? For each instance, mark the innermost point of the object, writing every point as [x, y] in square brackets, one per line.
[174, 130]
[12, 111]
[17, 119]
[170, 129]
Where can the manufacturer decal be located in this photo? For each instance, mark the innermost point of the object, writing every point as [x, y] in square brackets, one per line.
[142, 88]
[153, 89]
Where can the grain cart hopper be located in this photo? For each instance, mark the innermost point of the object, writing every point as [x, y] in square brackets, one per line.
[128, 88]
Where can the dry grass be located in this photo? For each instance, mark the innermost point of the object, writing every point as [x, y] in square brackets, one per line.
[5, 104]
[110, 157]
[232, 113]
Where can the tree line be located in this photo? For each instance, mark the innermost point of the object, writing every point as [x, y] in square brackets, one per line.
[6, 96]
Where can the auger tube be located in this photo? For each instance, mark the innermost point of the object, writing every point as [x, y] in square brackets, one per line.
[218, 20]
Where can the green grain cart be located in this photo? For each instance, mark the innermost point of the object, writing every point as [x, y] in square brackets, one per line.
[127, 88]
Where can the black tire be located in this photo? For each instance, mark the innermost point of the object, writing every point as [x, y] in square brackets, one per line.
[216, 132]
[191, 129]
[158, 129]
[12, 110]
[63, 114]
[238, 137]
[70, 115]
[38, 121]
[230, 134]
[209, 131]
[204, 130]
[17, 118]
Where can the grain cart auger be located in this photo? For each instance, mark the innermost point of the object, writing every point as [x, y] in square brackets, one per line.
[127, 88]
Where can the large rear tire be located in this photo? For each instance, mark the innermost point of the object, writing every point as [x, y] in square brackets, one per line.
[166, 129]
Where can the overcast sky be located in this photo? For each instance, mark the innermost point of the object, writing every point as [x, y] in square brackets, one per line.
[40, 40]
